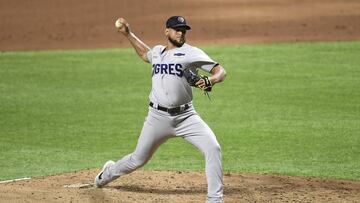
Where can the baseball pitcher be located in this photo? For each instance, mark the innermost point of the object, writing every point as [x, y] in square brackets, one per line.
[171, 112]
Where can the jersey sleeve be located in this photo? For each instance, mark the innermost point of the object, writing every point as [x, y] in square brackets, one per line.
[201, 60]
[154, 52]
[149, 55]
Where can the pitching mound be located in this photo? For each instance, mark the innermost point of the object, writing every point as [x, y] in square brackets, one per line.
[166, 186]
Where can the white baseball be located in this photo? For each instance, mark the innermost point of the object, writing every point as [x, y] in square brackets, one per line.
[118, 24]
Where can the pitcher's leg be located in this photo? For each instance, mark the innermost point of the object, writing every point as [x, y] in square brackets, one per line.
[198, 133]
[154, 132]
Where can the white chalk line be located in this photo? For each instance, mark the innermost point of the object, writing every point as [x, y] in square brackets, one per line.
[79, 185]
[14, 180]
[76, 185]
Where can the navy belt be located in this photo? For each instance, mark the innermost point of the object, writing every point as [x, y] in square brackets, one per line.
[174, 110]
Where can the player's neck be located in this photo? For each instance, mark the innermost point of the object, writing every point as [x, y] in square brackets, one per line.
[170, 46]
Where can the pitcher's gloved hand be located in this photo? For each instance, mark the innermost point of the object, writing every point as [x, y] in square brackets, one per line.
[200, 81]
[204, 83]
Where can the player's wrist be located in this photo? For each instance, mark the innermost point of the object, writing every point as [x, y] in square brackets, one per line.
[213, 80]
[128, 34]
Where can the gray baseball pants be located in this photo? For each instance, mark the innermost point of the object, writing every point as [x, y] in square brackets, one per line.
[160, 126]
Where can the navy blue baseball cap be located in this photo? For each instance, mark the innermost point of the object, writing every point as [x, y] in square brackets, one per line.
[177, 21]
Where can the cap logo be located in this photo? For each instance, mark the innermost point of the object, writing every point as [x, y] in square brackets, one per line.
[181, 19]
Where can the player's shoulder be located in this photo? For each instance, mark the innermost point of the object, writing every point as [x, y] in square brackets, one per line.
[189, 47]
[193, 50]
[158, 47]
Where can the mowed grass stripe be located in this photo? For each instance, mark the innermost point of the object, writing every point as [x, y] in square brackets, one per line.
[285, 108]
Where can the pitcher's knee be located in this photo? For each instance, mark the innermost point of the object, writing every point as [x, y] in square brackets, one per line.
[213, 150]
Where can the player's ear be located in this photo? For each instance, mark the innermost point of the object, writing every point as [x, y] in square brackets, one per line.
[167, 31]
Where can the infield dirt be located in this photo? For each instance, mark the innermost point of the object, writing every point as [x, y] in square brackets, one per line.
[165, 186]
[66, 24]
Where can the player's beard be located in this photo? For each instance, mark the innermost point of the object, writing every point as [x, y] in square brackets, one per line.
[176, 43]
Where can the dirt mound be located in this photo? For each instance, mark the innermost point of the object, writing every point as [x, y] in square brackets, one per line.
[67, 24]
[166, 186]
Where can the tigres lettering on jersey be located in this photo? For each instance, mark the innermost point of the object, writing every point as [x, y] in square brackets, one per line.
[171, 69]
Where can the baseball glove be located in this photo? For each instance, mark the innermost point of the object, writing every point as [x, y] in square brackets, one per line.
[193, 78]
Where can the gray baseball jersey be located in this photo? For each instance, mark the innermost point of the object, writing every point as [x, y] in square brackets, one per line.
[169, 87]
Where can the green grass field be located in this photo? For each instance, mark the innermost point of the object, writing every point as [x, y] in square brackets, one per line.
[289, 109]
